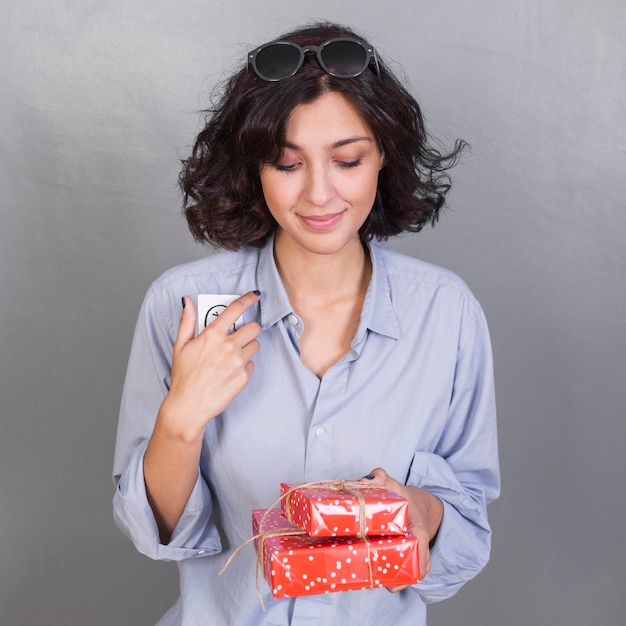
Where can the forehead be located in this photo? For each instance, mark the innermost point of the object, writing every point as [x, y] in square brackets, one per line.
[327, 120]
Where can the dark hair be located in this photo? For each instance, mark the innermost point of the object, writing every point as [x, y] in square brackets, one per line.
[223, 198]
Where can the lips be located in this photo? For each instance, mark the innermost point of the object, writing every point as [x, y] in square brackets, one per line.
[321, 222]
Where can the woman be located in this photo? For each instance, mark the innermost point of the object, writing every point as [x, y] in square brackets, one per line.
[351, 361]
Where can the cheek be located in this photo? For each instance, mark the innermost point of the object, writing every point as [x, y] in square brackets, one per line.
[363, 189]
[277, 184]
[269, 187]
[277, 194]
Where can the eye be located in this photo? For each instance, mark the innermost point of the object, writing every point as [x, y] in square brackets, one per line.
[282, 167]
[349, 164]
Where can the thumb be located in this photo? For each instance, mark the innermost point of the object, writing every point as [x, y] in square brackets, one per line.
[377, 476]
[187, 328]
[380, 477]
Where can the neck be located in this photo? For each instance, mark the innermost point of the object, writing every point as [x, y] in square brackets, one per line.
[310, 276]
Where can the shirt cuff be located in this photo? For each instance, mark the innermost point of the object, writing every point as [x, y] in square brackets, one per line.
[195, 534]
[463, 542]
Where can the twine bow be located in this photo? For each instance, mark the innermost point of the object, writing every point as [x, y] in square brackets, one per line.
[348, 486]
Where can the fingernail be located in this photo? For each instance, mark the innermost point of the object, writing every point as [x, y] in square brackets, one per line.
[184, 303]
[369, 477]
[256, 292]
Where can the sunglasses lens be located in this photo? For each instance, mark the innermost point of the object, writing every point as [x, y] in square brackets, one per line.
[277, 61]
[344, 59]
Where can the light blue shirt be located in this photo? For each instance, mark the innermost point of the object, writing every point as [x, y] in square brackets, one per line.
[414, 395]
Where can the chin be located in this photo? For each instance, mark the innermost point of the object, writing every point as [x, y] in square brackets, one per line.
[328, 244]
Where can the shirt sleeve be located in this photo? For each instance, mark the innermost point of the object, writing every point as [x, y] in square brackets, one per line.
[147, 382]
[464, 469]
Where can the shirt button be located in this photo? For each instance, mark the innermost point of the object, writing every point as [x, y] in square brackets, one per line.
[293, 320]
[319, 432]
[200, 552]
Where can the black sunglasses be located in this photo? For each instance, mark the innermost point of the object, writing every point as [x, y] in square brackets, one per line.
[341, 57]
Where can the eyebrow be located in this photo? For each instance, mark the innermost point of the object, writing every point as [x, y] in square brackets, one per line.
[336, 144]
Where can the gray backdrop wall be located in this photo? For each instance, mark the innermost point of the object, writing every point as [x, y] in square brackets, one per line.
[98, 103]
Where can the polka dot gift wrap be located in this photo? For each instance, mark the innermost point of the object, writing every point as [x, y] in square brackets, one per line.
[298, 565]
[324, 511]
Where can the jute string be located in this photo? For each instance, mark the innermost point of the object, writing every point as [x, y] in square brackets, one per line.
[350, 487]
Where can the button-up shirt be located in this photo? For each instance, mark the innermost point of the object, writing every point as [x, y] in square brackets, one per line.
[414, 395]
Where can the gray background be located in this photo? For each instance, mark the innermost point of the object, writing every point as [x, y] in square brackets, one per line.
[99, 102]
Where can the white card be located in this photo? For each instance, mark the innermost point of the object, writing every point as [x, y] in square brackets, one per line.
[211, 305]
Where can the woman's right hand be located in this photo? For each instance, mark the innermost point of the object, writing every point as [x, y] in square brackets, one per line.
[210, 369]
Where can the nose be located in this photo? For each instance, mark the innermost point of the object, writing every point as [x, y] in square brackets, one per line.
[319, 188]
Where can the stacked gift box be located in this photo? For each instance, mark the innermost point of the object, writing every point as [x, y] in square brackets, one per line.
[335, 536]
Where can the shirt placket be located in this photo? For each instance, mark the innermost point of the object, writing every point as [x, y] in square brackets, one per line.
[320, 463]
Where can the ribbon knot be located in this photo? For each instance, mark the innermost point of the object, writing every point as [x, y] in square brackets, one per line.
[350, 487]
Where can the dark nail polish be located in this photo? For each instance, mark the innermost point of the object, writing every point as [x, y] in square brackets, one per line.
[184, 303]
[369, 477]
[256, 292]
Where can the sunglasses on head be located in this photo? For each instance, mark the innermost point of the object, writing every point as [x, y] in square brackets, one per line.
[341, 57]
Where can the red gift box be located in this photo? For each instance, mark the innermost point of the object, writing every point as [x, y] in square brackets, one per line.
[327, 511]
[299, 565]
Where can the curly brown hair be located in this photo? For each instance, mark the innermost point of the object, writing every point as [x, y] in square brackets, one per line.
[223, 198]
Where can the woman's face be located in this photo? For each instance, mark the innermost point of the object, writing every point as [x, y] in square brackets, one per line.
[324, 185]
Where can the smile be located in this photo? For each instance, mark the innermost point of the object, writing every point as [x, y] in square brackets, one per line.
[321, 222]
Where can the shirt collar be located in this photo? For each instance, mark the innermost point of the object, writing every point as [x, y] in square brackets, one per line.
[275, 303]
[378, 314]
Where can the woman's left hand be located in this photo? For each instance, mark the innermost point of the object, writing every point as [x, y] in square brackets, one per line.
[425, 515]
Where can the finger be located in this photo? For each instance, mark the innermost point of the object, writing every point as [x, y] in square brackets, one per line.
[187, 327]
[378, 476]
[247, 333]
[249, 350]
[421, 533]
[234, 311]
